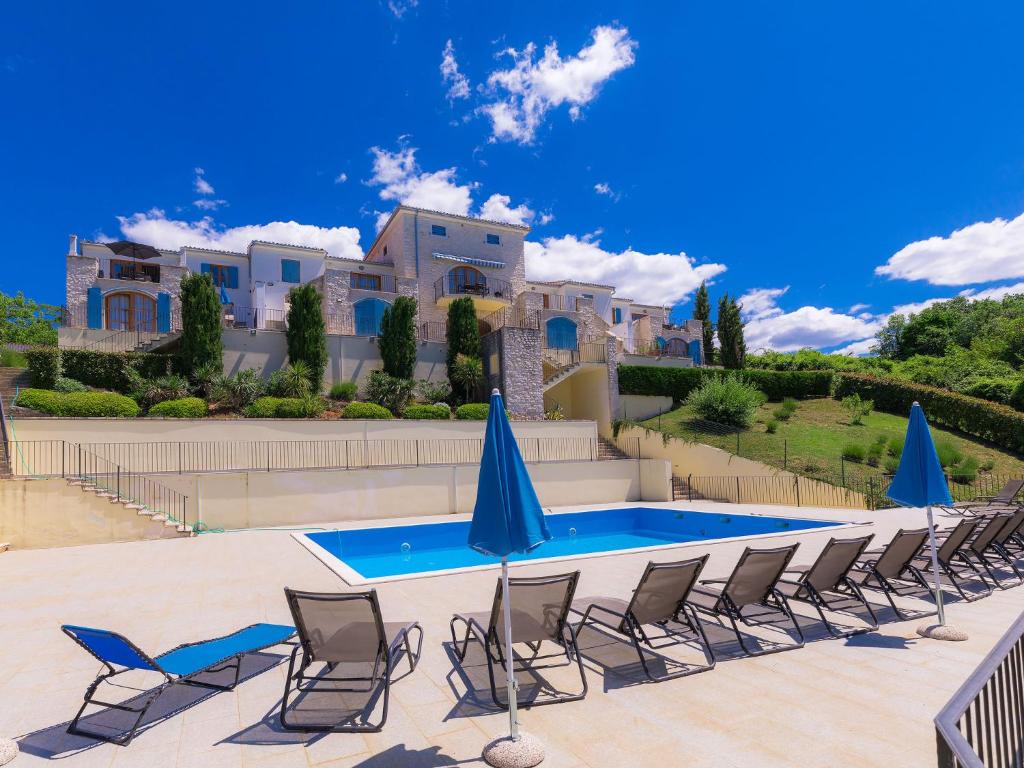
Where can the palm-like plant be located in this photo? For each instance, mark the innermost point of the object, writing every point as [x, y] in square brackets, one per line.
[468, 373]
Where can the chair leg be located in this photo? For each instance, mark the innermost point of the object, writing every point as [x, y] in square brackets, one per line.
[125, 739]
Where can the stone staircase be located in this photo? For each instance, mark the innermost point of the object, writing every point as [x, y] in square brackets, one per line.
[560, 374]
[11, 379]
[157, 516]
[608, 451]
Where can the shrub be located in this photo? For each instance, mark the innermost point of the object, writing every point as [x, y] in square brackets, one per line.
[365, 411]
[433, 391]
[43, 367]
[64, 384]
[996, 423]
[727, 400]
[853, 452]
[895, 447]
[201, 342]
[781, 414]
[263, 407]
[119, 371]
[677, 383]
[155, 391]
[270, 407]
[555, 414]
[771, 426]
[468, 373]
[290, 381]
[857, 408]
[344, 390]
[78, 404]
[988, 465]
[202, 381]
[11, 358]
[307, 337]
[997, 390]
[472, 412]
[789, 403]
[387, 391]
[891, 464]
[397, 340]
[182, 408]
[966, 471]
[948, 454]
[427, 412]
[874, 453]
[1016, 399]
[239, 391]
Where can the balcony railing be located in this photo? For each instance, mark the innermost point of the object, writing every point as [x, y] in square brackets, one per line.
[452, 284]
[362, 281]
[255, 317]
[513, 317]
[434, 331]
[148, 273]
[560, 303]
[588, 352]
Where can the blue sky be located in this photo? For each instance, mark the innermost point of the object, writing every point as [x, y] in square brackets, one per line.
[828, 162]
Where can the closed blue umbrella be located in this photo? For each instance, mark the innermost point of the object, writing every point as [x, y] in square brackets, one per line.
[507, 517]
[920, 482]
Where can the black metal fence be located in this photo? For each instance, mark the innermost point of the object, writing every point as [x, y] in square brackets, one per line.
[122, 485]
[982, 726]
[57, 458]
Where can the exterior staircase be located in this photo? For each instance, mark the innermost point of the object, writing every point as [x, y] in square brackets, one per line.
[133, 341]
[560, 374]
[608, 451]
[12, 379]
[157, 516]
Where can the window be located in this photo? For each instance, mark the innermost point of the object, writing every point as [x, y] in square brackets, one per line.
[588, 295]
[467, 280]
[368, 314]
[561, 333]
[221, 274]
[128, 270]
[365, 282]
[289, 271]
[437, 229]
[493, 240]
[616, 315]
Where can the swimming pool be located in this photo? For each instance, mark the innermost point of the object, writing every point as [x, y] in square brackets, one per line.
[365, 555]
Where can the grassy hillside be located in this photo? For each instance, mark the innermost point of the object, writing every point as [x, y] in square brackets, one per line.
[812, 440]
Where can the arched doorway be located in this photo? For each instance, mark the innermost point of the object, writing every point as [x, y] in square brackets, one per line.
[368, 314]
[561, 333]
[675, 348]
[131, 312]
[467, 280]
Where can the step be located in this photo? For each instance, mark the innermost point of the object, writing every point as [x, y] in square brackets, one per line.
[4, 546]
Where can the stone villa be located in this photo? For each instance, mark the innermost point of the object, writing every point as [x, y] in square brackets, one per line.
[545, 343]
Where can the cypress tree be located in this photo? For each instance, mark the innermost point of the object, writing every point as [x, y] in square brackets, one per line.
[702, 312]
[397, 339]
[463, 332]
[201, 342]
[306, 334]
[730, 333]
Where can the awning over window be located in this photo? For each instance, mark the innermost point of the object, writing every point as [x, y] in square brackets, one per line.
[467, 260]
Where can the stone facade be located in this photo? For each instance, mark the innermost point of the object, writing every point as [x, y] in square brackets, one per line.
[521, 377]
[81, 275]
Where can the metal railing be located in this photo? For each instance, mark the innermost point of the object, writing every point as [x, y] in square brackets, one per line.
[452, 285]
[559, 303]
[435, 330]
[256, 317]
[340, 323]
[57, 458]
[982, 726]
[74, 318]
[364, 281]
[653, 349]
[130, 487]
[513, 317]
[123, 341]
[588, 352]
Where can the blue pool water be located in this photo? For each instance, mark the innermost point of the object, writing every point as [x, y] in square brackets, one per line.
[376, 553]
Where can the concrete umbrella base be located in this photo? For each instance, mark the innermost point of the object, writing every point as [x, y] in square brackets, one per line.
[8, 750]
[505, 753]
[941, 632]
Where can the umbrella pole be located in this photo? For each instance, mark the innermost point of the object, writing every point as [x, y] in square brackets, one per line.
[510, 675]
[935, 568]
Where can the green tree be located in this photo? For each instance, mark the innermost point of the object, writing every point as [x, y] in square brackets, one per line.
[463, 333]
[26, 321]
[733, 349]
[468, 373]
[397, 340]
[702, 312]
[201, 343]
[307, 337]
[889, 340]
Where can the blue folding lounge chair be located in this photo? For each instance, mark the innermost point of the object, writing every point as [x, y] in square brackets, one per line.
[178, 665]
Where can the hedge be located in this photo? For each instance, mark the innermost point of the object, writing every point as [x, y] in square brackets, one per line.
[677, 383]
[285, 408]
[472, 412]
[183, 408]
[427, 412]
[106, 370]
[996, 423]
[78, 403]
[366, 411]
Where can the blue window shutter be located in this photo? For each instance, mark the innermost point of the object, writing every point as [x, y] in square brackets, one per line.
[206, 269]
[289, 271]
[695, 352]
[661, 342]
[163, 312]
[94, 307]
[561, 333]
[232, 277]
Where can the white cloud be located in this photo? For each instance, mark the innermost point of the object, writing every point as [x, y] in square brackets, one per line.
[341, 178]
[856, 308]
[648, 278]
[526, 92]
[545, 218]
[458, 83]
[403, 181]
[202, 186]
[914, 307]
[399, 7]
[996, 293]
[857, 349]
[979, 253]
[498, 208]
[207, 204]
[761, 302]
[603, 189]
[154, 228]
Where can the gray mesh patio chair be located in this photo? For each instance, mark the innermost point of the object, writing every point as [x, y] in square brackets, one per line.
[826, 583]
[540, 609]
[341, 631]
[1006, 498]
[1006, 542]
[983, 546]
[890, 569]
[659, 600]
[753, 585]
[952, 560]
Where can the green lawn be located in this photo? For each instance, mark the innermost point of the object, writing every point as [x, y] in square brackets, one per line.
[812, 440]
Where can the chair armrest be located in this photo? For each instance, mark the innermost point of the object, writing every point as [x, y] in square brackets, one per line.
[713, 581]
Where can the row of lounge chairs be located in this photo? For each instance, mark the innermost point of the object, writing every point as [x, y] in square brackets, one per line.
[343, 632]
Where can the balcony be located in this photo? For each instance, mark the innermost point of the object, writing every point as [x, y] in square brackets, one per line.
[362, 281]
[488, 293]
[140, 273]
[559, 303]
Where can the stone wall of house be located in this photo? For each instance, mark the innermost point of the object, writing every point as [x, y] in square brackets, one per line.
[170, 282]
[519, 350]
[82, 273]
[590, 325]
[613, 374]
[334, 286]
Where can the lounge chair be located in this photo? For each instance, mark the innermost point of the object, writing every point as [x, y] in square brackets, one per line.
[181, 665]
[753, 584]
[826, 584]
[951, 555]
[1007, 541]
[540, 608]
[345, 629]
[983, 545]
[1004, 499]
[891, 567]
[659, 599]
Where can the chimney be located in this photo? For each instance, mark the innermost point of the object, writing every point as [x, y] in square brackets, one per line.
[72, 245]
